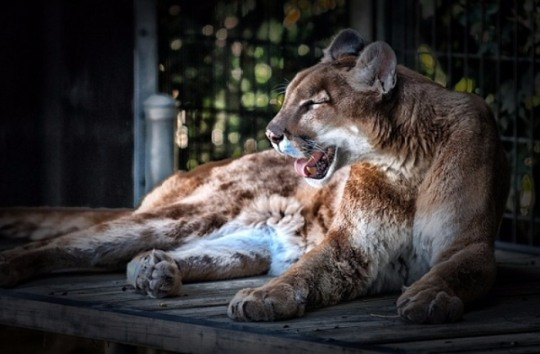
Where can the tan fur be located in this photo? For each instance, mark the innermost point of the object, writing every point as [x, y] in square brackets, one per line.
[42, 223]
[404, 187]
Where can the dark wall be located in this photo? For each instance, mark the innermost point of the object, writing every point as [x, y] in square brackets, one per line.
[66, 74]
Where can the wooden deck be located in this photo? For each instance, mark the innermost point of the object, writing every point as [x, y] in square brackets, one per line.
[104, 307]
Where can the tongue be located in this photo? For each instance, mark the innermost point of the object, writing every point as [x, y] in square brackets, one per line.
[306, 167]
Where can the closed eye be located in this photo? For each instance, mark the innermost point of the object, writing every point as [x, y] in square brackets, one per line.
[307, 104]
[312, 104]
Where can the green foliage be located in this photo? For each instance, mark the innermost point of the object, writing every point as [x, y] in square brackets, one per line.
[227, 63]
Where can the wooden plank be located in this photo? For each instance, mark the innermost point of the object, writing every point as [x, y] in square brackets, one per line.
[500, 343]
[161, 331]
[514, 316]
[102, 306]
[72, 282]
[196, 295]
[356, 324]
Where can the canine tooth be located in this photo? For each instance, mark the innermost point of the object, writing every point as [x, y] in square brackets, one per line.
[311, 169]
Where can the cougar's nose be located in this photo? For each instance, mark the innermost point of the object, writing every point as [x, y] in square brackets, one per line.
[274, 138]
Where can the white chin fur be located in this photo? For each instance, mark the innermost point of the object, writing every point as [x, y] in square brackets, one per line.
[318, 183]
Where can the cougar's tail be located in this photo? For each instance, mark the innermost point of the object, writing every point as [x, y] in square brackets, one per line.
[41, 223]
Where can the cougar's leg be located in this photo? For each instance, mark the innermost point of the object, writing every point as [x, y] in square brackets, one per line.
[265, 237]
[111, 244]
[461, 275]
[458, 218]
[192, 204]
[360, 242]
[32, 224]
[159, 274]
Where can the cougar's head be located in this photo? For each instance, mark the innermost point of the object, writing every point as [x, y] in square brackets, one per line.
[329, 114]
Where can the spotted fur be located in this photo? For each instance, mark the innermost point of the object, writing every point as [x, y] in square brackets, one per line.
[380, 180]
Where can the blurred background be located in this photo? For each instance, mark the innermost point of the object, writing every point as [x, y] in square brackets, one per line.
[76, 73]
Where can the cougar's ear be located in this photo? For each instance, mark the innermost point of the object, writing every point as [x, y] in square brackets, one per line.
[375, 68]
[346, 42]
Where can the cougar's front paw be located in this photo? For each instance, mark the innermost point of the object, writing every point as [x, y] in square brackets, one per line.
[267, 303]
[155, 273]
[429, 305]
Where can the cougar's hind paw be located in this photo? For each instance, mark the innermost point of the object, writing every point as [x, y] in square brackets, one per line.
[155, 273]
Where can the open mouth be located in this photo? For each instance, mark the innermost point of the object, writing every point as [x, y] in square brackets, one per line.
[316, 166]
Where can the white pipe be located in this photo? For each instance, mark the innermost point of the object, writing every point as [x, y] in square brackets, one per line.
[160, 113]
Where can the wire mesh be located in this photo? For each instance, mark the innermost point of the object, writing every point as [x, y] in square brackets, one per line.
[227, 63]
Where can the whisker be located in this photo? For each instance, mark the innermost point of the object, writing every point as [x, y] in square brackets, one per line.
[281, 88]
[312, 146]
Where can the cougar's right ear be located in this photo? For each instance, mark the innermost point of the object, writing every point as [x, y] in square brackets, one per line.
[346, 42]
[375, 68]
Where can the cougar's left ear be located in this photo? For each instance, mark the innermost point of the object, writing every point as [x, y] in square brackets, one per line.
[375, 68]
[346, 42]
